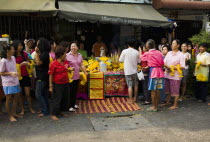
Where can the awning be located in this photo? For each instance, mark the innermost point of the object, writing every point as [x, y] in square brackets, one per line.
[134, 14]
[27, 6]
[181, 4]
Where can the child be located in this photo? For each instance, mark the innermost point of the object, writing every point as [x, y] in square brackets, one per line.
[145, 69]
[203, 58]
[10, 82]
[165, 50]
[58, 81]
[25, 83]
[156, 74]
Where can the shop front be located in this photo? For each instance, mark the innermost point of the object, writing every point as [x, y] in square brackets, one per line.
[116, 23]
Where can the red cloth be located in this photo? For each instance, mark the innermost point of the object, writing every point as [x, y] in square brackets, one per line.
[19, 60]
[59, 72]
[144, 64]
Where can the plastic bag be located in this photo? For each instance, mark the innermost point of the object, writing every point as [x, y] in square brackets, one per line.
[140, 75]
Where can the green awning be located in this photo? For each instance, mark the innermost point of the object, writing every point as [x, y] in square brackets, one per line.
[115, 13]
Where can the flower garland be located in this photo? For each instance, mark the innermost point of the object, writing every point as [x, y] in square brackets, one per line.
[104, 59]
[70, 74]
[85, 63]
[201, 77]
[179, 70]
[83, 78]
[51, 59]
[93, 66]
[19, 72]
[30, 67]
[5, 35]
[172, 70]
[198, 65]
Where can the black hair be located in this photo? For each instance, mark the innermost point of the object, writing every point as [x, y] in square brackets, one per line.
[52, 42]
[185, 44]
[139, 44]
[33, 43]
[204, 45]
[167, 46]
[151, 43]
[15, 44]
[59, 51]
[6, 47]
[65, 44]
[81, 43]
[190, 44]
[131, 43]
[75, 42]
[44, 45]
[177, 41]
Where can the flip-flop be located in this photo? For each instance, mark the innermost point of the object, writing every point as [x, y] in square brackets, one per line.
[173, 108]
[163, 105]
[145, 103]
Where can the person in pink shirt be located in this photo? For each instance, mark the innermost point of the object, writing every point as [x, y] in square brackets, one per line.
[10, 82]
[172, 82]
[156, 74]
[75, 60]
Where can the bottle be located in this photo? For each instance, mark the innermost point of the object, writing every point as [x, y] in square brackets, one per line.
[103, 66]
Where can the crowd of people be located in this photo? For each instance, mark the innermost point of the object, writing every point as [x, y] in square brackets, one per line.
[52, 63]
[45, 66]
[166, 71]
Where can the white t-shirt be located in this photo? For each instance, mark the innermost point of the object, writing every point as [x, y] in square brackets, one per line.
[130, 57]
[160, 47]
[187, 56]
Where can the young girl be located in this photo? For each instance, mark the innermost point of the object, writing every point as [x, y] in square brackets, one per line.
[187, 57]
[10, 82]
[58, 81]
[25, 83]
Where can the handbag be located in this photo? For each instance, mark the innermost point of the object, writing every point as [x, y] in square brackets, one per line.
[140, 75]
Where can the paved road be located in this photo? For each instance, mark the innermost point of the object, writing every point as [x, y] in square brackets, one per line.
[190, 123]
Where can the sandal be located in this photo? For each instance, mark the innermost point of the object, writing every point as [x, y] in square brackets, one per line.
[152, 110]
[146, 103]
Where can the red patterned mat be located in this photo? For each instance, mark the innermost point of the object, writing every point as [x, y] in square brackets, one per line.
[113, 104]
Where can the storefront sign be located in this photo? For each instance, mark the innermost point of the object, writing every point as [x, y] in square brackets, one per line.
[120, 20]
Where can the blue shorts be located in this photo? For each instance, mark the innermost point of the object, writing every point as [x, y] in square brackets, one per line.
[156, 83]
[11, 89]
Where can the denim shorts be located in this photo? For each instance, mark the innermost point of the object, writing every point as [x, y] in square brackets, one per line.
[11, 89]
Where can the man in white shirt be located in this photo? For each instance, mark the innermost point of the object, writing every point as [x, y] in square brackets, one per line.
[130, 57]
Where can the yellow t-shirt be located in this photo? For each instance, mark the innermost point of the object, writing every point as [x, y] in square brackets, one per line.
[204, 58]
